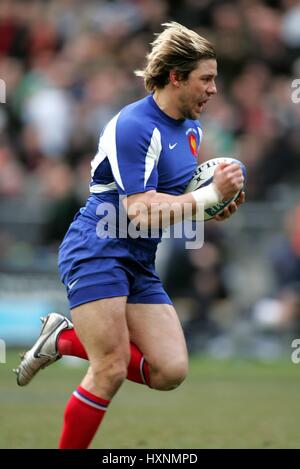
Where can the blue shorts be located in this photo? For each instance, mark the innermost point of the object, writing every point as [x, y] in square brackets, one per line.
[92, 268]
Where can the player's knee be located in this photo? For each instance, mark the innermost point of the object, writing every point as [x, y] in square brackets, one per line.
[171, 376]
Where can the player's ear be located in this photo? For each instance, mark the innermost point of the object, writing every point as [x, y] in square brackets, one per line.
[174, 77]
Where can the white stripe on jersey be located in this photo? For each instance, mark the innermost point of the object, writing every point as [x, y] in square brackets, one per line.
[200, 135]
[99, 157]
[98, 188]
[107, 146]
[153, 154]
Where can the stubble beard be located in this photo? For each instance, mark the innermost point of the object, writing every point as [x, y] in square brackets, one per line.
[186, 110]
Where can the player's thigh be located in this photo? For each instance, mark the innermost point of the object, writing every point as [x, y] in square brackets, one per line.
[156, 330]
[102, 328]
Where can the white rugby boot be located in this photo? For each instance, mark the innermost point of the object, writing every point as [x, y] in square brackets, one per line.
[44, 351]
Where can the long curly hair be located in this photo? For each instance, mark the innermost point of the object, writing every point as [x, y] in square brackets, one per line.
[178, 48]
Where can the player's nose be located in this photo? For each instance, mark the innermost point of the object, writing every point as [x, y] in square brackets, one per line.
[212, 88]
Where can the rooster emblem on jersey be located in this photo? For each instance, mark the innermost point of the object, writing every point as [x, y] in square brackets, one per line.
[193, 144]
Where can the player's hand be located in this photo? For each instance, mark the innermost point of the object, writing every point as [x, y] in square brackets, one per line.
[228, 180]
[231, 208]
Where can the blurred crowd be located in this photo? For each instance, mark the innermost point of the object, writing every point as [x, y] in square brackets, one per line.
[68, 68]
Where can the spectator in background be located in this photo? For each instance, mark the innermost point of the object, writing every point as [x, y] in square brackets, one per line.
[195, 279]
[11, 173]
[59, 186]
[280, 312]
[285, 254]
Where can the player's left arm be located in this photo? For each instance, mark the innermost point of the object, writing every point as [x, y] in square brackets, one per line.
[231, 208]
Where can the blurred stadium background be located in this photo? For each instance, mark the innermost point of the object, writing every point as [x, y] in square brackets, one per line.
[68, 67]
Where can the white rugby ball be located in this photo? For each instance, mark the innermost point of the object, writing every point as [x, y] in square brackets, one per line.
[203, 176]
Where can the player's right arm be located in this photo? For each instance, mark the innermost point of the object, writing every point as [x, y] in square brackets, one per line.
[156, 209]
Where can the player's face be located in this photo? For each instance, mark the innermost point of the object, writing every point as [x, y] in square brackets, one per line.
[197, 89]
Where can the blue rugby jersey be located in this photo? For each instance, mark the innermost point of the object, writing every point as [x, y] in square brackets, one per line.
[142, 149]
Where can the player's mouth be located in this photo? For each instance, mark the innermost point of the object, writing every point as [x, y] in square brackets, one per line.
[204, 101]
[201, 104]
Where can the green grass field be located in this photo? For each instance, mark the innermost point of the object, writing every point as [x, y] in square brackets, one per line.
[231, 404]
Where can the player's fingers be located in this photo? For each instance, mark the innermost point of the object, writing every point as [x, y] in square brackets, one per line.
[241, 199]
[223, 215]
[233, 169]
[232, 208]
[221, 168]
[239, 181]
[236, 175]
[223, 165]
[235, 184]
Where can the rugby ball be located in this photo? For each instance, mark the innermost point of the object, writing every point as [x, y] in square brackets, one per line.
[203, 176]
